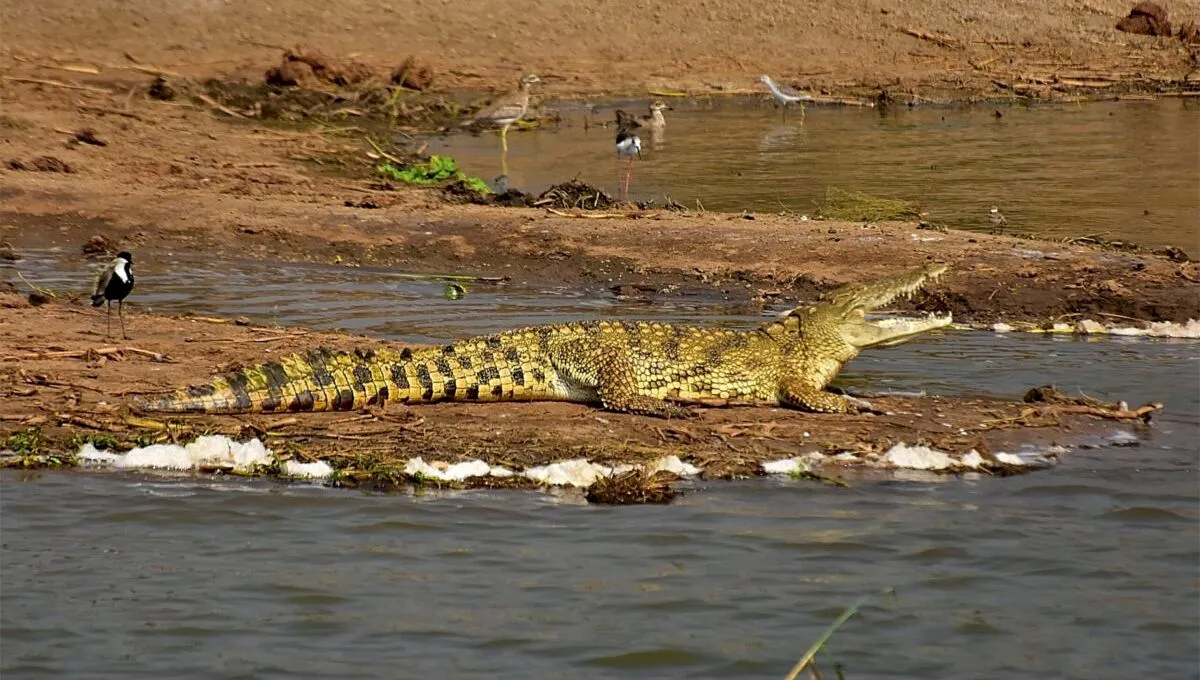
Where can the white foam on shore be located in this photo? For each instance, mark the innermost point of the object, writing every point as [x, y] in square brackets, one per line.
[205, 453]
[208, 451]
[909, 457]
[218, 452]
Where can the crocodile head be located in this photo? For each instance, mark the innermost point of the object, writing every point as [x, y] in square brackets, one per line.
[847, 308]
[837, 322]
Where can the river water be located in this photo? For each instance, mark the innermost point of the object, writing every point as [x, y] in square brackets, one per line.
[1090, 569]
[1125, 170]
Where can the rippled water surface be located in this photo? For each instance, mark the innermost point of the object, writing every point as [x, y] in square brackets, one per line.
[1125, 170]
[1086, 570]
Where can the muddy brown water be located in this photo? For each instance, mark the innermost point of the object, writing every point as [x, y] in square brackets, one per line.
[1085, 570]
[1122, 170]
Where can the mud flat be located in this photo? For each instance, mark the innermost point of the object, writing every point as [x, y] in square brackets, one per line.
[65, 386]
[88, 153]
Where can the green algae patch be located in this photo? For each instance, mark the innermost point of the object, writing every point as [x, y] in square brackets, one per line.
[856, 206]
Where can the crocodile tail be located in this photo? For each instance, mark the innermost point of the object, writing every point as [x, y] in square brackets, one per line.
[319, 380]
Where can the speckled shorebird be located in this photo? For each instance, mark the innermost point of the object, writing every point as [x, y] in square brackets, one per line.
[628, 145]
[655, 120]
[997, 220]
[784, 96]
[507, 109]
[115, 283]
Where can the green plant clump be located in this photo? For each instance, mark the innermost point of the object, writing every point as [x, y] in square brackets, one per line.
[436, 170]
[855, 206]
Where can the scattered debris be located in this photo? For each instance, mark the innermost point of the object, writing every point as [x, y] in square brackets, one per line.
[161, 90]
[306, 65]
[9, 254]
[1085, 405]
[98, 245]
[42, 164]
[634, 487]
[413, 75]
[1146, 18]
[88, 136]
[1174, 254]
[575, 194]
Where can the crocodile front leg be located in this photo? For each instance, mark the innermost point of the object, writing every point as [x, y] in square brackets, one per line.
[805, 396]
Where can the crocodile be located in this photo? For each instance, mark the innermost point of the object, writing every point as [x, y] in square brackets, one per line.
[640, 367]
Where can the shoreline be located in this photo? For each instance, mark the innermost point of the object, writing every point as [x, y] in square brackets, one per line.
[69, 386]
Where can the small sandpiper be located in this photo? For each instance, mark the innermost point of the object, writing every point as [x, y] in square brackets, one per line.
[115, 283]
[629, 145]
[997, 220]
[507, 109]
[784, 96]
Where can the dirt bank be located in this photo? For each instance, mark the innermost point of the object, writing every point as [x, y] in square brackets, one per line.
[64, 383]
[101, 156]
[955, 47]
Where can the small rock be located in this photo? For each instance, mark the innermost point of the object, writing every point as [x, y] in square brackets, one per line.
[413, 75]
[1146, 18]
[98, 245]
[161, 90]
[88, 136]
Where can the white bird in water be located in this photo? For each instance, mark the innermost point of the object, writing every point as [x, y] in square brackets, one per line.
[784, 96]
[629, 145]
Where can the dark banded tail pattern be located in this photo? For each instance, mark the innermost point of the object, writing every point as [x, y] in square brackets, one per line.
[487, 369]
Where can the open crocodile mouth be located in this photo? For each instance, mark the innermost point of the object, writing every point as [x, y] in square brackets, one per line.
[928, 320]
[871, 296]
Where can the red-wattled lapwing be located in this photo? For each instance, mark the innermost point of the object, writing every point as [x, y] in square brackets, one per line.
[784, 96]
[115, 283]
[507, 109]
[629, 145]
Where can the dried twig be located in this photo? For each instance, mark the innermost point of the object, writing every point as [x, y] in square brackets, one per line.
[57, 83]
[944, 41]
[592, 216]
[105, 109]
[88, 353]
[383, 153]
[217, 105]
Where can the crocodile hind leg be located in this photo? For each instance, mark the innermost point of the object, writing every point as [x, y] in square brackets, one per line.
[615, 380]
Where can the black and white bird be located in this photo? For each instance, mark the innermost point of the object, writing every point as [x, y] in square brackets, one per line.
[115, 283]
[997, 220]
[629, 145]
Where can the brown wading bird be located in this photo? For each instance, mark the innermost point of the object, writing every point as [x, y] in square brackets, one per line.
[655, 122]
[115, 283]
[628, 146]
[506, 110]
